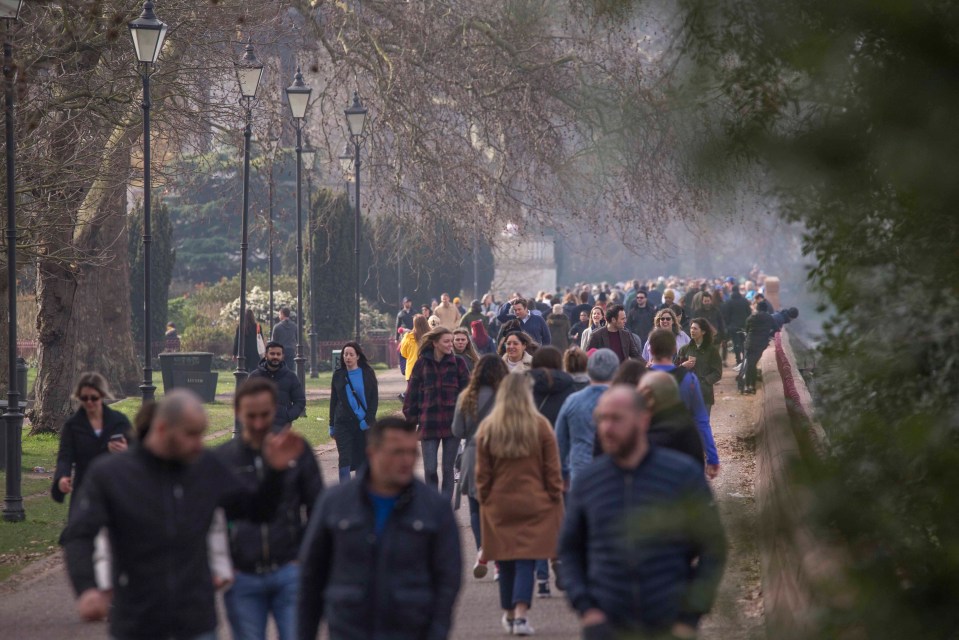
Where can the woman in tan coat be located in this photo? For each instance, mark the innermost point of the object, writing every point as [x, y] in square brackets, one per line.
[519, 486]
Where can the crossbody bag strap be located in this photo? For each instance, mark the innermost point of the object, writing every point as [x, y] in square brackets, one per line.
[359, 400]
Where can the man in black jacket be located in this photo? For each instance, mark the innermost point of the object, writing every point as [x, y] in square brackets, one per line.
[736, 310]
[291, 399]
[157, 501]
[639, 320]
[642, 546]
[615, 336]
[381, 557]
[670, 424]
[264, 555]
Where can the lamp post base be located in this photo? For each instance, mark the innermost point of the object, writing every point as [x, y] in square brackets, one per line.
[13, 502]
[301, 368]
[240, 376]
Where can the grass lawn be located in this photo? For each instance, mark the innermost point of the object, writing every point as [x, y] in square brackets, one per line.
[37, 536]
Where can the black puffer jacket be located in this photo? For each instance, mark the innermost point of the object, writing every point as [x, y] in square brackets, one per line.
[291, 399]
[158, 514]
[258, 546]
[735, 312]
[759, 329]
[79, 445]
[551, 387]
[400, 585]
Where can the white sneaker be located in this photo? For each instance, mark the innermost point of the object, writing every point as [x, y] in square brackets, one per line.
[521, 627]
[507, 625]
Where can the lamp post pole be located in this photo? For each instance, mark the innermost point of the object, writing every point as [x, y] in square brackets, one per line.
[356, 120]
[314, 372]
[274, 145]
[148, 34]
[248, 71]
[13, 417]
[298, 95]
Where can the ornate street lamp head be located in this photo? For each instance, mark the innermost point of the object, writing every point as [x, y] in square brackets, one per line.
[148, 34]
[298, 95]
[356, 116]
[249, 70]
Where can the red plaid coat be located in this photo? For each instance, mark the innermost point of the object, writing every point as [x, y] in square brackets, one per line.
[432, 392]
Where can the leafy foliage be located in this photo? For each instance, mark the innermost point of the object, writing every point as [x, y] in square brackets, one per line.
[852, 106]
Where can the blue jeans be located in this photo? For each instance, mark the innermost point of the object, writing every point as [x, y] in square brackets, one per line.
[515, 583]
[475, 521]
[542, 570]
[431, 450]
[254, 596]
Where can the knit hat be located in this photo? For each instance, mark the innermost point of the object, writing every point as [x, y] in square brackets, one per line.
[602, 365]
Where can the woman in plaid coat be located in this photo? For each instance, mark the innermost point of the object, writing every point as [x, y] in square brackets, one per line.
[435, 383]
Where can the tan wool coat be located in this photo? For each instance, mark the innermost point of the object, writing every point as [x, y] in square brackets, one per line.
[521, 503]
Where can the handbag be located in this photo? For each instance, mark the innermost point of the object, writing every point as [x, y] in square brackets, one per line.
[260, 346]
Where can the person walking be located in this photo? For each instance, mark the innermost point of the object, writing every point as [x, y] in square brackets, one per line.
[474, 404]
[575, 429]
[93, 430]
[701, 356]
[381, 557]
[559, 328]
[410, 347]
[663, 348]
[736, 310]
[632, 566]
[576, 331]
[404, 324]
[354, 400]
[520, 491]
[481, 339]
[597, 320]
[517, 350]
[759, 329]
[670, 424]
[437, 379]
[575, 362]
[475, 313]
[615, 336]
[264, 556]
[641, 315]
[532, 324]
[666, 319]
[448, 313]
[251, 331]
[286, 333]
[463, 347]
[551, 387]
[291, 398]
[157, 501]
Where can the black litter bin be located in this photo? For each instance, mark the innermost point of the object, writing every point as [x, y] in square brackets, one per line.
[190, 370]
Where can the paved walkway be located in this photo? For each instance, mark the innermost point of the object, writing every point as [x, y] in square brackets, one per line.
[39, 603]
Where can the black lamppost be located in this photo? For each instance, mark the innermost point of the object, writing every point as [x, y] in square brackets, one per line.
[274, 146]
[148, 35]
[356, 120]
[248, 73]
[298, 96]
[309, 159]
[13, 418]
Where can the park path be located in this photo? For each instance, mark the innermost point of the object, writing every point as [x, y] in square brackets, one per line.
[37, 603]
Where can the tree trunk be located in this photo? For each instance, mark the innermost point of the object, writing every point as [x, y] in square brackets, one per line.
[83, 319]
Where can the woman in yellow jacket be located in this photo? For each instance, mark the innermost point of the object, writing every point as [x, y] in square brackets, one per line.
[410, 347]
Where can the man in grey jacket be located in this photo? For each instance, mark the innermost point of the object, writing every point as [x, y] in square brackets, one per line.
[285, 333]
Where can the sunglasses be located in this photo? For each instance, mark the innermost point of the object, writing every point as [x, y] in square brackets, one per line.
[666, 319]
[89, 398]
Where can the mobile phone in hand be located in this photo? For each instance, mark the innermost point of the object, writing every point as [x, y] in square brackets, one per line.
[116, 437]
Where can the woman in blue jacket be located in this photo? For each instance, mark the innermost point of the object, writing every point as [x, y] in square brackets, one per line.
[354, 397]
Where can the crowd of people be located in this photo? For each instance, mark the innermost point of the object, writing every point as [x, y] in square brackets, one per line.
[577, 427]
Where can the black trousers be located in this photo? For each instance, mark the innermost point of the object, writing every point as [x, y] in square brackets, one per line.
[739, 342]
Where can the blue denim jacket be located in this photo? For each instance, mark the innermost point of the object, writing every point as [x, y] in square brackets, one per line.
[576, 431]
